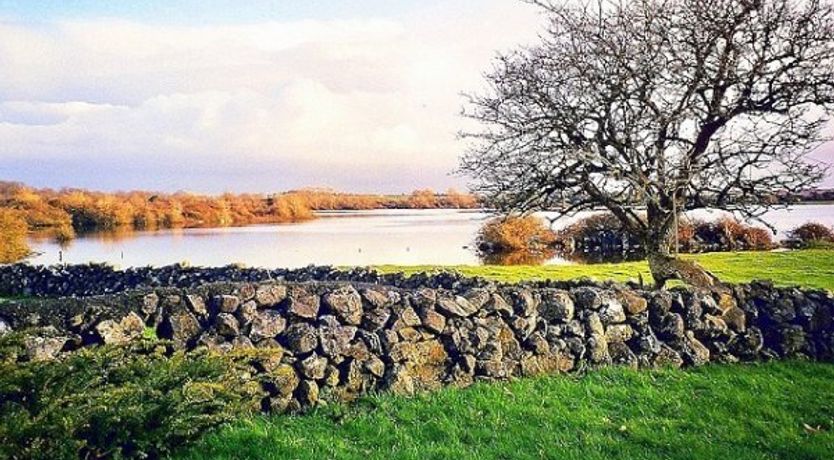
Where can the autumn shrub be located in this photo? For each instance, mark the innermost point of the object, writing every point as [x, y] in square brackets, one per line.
[597, 231]
[811, 234]
[83, 210]
[728, 234]
[604, 232]
[514, 233]
[135, 401]
[13, 232]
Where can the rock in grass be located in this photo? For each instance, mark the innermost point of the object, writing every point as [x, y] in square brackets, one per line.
[120, 332]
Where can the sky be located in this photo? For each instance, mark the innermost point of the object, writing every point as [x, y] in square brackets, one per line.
[256, 96]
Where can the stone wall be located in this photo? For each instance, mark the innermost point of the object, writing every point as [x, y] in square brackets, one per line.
[98, 279]
[338, 340]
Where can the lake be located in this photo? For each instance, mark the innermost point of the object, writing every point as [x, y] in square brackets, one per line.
[401, 237]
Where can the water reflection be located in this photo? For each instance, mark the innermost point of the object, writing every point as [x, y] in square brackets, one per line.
[400, 237]
[516, 257]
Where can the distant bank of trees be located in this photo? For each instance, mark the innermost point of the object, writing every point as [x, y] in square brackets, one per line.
[67, 211]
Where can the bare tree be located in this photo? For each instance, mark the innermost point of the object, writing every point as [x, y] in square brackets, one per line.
[649, 108]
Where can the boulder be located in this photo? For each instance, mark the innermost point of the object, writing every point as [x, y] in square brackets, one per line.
[693, 351]
[377, 298]
[346, 304]
[181, 328]
[282, 381]
[129, 328]
[612, 312]
[667, 357]
[556, 306]
[226, 303]
[313, 367]
[150, 304]
[302, 303]
[270, 295]
[308, 393]
[334, 337]
[247, 312]
[44, 348]
[432, 320]
[197, 305]
[226, 325]
[456, 306]
[301, 338]
[618, 333]
[267, 324]
[633, 303]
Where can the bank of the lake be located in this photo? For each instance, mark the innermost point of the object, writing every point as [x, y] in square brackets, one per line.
[807, 268]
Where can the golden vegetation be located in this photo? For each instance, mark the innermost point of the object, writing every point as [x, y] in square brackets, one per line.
[329, 200]
[13, 230]
[64, 212]
[515, 233]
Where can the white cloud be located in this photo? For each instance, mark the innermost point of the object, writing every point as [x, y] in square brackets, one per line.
[309, 98]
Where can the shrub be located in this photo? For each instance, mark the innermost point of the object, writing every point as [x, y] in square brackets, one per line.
[13, 233]
[134, 401]
[604, 233]
[514, 233]
[728, 234]
[601, 230]
[811, 234]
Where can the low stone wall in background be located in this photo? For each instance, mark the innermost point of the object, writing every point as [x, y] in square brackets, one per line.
[98, 279]
[339, 340]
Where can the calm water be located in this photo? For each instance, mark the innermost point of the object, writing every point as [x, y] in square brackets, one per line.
[402, 237]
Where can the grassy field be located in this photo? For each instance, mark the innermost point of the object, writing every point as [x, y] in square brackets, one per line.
[810, 268]
[770, 411]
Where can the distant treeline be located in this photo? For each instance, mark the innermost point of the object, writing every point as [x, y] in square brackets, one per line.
[68, 211]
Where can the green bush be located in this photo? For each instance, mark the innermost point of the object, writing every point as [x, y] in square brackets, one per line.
[134, 401]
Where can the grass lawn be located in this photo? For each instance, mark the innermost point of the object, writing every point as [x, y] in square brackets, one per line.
[776, 410]
[810, 268]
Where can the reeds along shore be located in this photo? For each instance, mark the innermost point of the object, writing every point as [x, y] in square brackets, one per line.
[68, 211]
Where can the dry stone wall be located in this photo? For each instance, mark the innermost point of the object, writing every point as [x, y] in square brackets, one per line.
[337, 340]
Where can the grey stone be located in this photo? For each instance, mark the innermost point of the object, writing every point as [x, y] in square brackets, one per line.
[181, 328]
[226, 303]
[303, 304]
[456, 306]
[270, 295]
[267, 324]
[556, 306]
[301, 338]
[119, 332]
[227, 325]
[313, 367]
[346, 304]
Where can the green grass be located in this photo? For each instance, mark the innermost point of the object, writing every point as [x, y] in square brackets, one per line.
[809, 268]
[777, 410]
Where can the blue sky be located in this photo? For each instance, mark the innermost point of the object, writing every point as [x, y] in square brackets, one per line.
[245, 96]
[208, 11]
[263, 95]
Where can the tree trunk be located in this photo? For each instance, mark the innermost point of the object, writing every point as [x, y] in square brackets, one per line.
[665, 266]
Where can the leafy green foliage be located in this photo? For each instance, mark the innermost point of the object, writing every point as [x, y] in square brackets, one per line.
[117, 402]
[770, 411]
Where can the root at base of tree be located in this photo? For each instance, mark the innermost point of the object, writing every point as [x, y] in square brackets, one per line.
[666, 267]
